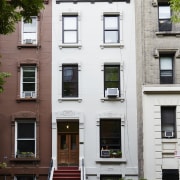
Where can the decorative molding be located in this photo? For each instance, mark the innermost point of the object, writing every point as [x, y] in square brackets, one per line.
[24, 114]
[167, 50]
[154, 3]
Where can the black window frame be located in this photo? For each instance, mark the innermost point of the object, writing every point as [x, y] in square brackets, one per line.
[69, 83]
[170, 174]
[111, 30]
[168, 120]
[165, 24]
[166, 75]
[109, 139]
[69, 30]
[106, 82]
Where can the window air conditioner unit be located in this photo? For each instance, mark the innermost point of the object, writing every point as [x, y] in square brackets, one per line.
[29, 41]
[29, 94]
[105, 153]
[112, 92]
[169, 134]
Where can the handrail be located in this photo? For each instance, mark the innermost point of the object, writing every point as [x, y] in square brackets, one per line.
[51, 170]
[83, 173]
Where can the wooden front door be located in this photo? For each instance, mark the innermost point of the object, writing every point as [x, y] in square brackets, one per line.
[68, 149]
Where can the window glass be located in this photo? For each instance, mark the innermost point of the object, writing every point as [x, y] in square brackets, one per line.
[111, 22]
[110, 177]
[25, 177]
[70, 23]
[164, 12]
[166, 63]
[170, 174]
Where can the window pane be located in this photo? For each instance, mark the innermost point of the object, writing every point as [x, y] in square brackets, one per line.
[111, 23]
[110, 177]
[26, 146]
[170, 174]
[30, 27]
[164, 12]
[70, 36]
[25, 130]
[70, 23]
[25, 177]
[166, 63]
[111, 73]
[70, 89]
[111, 37]
[28, 87]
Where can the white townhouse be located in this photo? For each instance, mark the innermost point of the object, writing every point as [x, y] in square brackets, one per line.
[94, 102]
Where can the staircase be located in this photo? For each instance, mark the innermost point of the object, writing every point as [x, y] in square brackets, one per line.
[67, 173]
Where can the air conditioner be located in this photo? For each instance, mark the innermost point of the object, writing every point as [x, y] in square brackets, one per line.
[169, 134]
[29, 94]
[105, 153]
[112, 92]
[28, 41]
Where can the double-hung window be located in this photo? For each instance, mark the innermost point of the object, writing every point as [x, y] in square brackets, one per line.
[70, 29]
[111, 79]
[29, 31]
[166, 69]
[168, 121]
[25, 138]
[70, 80]
[111, 29]
[165, 23]
[28, 82]
[110, 137]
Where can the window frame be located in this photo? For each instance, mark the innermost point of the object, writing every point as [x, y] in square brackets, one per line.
[113, 152]
[117, 30]
[167, 20]
[33, 93]
[30, 41]
[118, 81]
[168, 111]
[75, 82]
[163, 78]
[23, 121]
[76, 30]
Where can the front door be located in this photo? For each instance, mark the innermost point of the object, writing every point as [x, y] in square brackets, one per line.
[68, 148]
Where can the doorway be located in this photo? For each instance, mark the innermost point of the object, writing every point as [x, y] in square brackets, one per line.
[68, 143]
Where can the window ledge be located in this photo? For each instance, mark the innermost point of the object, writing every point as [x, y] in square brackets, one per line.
[168, 33]
[25, 159]
[26, 99]
[79, 46]
[121, 99]
[111, 160]
[173, 140]
[70, 99]
[118, 45]
[160, 89]
[28, 46]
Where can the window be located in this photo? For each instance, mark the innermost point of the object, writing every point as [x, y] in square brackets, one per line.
[111, 29]
[70, 29]
[28, 82]
[165, 17]
[29, 31]
[110, 177]
[111, 78]
[24, 177]
[170, 174]
[70, 80]
[166, 69]
[25, 138]
[168, 121]
[110, 138]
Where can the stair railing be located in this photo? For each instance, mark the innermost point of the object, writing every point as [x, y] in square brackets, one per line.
[83, 173]
[51, 170]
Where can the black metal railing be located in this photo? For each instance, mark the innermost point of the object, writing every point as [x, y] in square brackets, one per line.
[50, 169]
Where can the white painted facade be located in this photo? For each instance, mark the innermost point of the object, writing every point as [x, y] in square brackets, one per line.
[91, 54]
[159, 153]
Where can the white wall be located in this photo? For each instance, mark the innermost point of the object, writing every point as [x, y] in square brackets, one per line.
[91, 105]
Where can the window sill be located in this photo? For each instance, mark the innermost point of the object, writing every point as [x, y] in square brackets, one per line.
[121, 99]
[111, 160]
[30, 159]
[70, 99]
[170, 140]
[115, 45]
[79, 46]
[168, 33]
[28, 46]
[26, 99]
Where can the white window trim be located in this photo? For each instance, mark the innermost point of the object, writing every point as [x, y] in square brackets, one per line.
[110, 115]
[21, 82]
[113, 45]
[70, 45]
[24, 121]
[122, 97]
[22, 32]
[60, 98]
